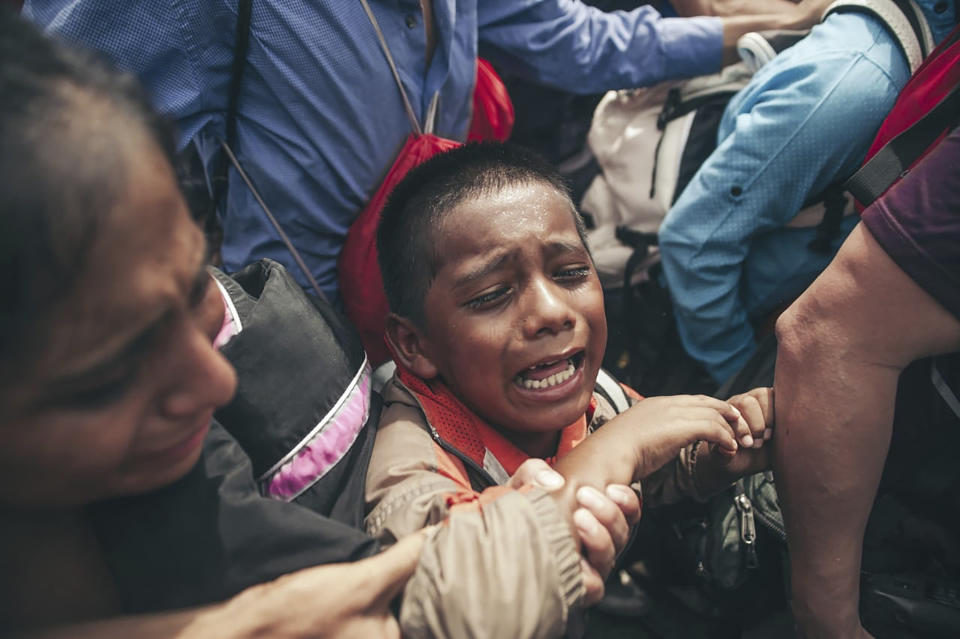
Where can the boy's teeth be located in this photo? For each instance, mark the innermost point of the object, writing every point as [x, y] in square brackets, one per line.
[553, 380]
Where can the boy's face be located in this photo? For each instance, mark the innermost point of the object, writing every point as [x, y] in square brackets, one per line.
[514, 318]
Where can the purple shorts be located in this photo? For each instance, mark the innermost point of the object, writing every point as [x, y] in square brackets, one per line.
[918, 223]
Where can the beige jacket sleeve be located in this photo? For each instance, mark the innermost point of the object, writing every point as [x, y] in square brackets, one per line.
[503, 563]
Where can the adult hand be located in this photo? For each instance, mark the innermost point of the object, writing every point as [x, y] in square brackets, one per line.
[603, 520]
[344, 601]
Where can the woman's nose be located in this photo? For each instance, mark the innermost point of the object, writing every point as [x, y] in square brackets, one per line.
[204, 379]
[548, 311]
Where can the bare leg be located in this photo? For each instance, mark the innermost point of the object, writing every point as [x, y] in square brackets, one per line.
[842, 348]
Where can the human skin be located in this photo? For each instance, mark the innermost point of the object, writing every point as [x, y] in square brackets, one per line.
[842, 347]
[138, 423]
[517, 299]
[743, 16]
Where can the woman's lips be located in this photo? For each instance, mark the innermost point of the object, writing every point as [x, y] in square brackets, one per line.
[182, 448]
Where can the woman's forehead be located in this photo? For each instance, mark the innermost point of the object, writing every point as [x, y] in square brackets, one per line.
[146, 252]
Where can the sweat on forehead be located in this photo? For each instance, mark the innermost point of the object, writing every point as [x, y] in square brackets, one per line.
[417, 206]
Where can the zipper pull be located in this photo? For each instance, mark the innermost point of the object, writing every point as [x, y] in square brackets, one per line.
[748, 528]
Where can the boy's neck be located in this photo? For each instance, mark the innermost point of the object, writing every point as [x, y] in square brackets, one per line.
[542, 445]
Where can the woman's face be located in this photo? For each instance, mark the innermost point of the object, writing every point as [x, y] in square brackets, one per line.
[119, 396]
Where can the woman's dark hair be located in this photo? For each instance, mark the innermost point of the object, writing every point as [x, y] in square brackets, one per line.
[64, 114]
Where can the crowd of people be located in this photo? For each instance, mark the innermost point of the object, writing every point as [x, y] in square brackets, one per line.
[175, 459]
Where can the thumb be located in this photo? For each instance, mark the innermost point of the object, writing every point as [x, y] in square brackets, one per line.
[389, 571]
[536, 473]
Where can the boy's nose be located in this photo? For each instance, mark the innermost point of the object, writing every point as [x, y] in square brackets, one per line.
[549, 312]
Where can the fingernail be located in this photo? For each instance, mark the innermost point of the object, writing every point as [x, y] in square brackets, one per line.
[747, 440]
[590, 497]
[548, 479]
[768, 434]
[584, 521]
[620, 494]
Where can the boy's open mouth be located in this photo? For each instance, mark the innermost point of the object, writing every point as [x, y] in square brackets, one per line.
[549, 374]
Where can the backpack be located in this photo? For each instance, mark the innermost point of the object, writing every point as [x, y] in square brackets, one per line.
[281, 482]
[925, 111]
[650, 143]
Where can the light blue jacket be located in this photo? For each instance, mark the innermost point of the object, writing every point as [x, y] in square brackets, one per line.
[804, 122]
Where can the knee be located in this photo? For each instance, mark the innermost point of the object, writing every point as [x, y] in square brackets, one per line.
[805, 334]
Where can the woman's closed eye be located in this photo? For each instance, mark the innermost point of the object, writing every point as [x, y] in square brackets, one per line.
[102, 394]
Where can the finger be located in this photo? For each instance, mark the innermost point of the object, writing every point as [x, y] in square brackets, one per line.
[597, 543]
[592, 583]
[718, 431]
[390, 570]
[765, 399]
[730, 413]
[536, 472]
[607, 514]
[627, 500]
[741, 429]
[753, 416]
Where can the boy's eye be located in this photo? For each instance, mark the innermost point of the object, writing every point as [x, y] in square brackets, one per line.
[489, 299]
[573, 273]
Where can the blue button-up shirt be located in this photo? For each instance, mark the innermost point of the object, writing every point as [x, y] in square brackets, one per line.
[321, 117]
[804, 122]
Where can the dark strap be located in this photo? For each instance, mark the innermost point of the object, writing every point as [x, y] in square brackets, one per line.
[894, 159]
[834, 207]
[240, 47]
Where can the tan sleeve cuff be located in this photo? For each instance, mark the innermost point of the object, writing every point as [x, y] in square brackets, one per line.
[508, 569]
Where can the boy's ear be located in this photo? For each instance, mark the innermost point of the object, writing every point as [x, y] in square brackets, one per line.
[407, 345]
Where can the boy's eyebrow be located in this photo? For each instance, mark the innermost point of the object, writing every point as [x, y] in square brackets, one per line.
[481, 271]
[556, 248]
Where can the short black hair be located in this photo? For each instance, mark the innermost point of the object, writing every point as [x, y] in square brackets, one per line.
[405, 245]
[65, 116]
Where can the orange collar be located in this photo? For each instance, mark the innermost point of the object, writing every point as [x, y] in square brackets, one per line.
[459, 426]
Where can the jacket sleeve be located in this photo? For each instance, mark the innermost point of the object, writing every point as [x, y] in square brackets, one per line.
[500, 550]
[675, 481]
[802, 123]
[569, 45]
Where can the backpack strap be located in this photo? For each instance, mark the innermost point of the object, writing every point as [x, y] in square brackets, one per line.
[943, 388]
[894, 159]
[241, 45]
[414, 123]
[612, 391]
[906, 23]
[903, 18]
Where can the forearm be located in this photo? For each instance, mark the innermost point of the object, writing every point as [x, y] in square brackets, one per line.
[209, 621]
[722, 8]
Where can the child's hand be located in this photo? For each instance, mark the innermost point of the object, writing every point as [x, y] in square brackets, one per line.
[754, 429]
[664, 425]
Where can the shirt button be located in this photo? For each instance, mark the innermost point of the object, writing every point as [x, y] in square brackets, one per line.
[940, 7]
[410, 20]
